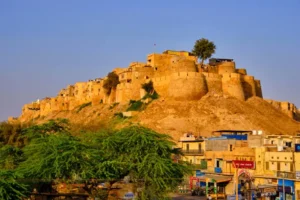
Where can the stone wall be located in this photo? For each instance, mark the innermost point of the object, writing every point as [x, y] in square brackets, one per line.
[187, 86]
[232, 85]
[213, 82]
[249, 87]
[288, 108]
[226, 68]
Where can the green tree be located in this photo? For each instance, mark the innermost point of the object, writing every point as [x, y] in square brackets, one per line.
[60, 157]
[10, 157]
[10, 189]
[148, 155]
[9, 133]
[204, 49]
[111, 82]
[148, 87]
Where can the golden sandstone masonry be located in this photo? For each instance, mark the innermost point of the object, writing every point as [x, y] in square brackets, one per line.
[175, 75]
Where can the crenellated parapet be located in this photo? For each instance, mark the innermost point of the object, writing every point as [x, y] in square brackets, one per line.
[175, 75]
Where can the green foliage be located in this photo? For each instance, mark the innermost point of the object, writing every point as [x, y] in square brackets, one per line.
[148, 87]
[204, 49]
[50, 127]
[113, 105]
[10, 157]
[9, 133]
[52, 154]
[119, 114]
[136, 105]
[151, 96]
[148, 155]
[59, 156]
[111, 82]
[10, 189]
[82, 106]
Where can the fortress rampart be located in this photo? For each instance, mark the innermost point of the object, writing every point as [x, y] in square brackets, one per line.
[175, 75]
[288, 108]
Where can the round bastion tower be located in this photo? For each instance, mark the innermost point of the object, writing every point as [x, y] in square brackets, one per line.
[231, 81]
[187, 86]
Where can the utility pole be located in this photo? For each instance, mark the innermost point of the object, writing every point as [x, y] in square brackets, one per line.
[236, 184]
[283, 189]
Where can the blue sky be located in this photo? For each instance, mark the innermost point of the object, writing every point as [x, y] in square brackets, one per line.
[46, 45]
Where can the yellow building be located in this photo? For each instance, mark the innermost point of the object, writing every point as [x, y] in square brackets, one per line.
[278, 164]
[192, 148]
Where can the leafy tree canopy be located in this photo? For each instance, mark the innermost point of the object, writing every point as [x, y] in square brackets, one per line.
[148, 87]
[50, 127]
[149, 156]
[9, 133]
[59, 156]
[204, 49]
[10, 189]
[111, 82]
[52, 153]
[10, 157]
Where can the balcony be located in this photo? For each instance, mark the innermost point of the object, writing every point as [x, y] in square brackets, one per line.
[288, 175]
[192, 152]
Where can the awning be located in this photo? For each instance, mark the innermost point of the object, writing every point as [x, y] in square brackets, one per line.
[215, 178]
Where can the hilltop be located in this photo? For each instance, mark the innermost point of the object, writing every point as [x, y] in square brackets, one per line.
[192, 97]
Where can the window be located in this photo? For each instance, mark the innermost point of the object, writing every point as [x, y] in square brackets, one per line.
[187, 147]
[199, 146]
[267, 165]
[230, 147]
[278, 166]
[259, 163]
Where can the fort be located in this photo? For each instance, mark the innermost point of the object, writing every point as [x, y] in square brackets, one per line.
[175, 75]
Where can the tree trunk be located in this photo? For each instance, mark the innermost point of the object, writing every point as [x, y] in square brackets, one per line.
[202, 61]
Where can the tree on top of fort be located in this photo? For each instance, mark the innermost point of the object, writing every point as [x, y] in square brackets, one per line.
[204, 49]
[111, 82]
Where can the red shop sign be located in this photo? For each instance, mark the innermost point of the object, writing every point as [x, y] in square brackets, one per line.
[242, 164]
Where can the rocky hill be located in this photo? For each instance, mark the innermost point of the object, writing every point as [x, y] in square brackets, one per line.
[193, 98]
[210, 113]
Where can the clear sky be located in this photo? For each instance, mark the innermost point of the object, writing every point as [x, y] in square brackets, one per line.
[46, 45]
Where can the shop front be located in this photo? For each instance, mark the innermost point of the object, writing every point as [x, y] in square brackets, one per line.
[265, 192]
[286, 188]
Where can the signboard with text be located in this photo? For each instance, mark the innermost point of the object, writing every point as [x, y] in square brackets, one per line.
[243, 164]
